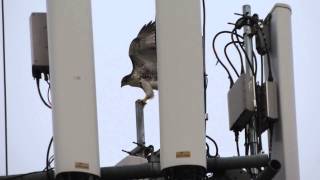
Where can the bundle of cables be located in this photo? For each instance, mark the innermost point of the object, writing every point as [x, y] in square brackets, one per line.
[49, 159]
[262, 48]
[205, 77]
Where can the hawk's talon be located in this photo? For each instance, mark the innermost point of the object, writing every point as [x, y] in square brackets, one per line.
[141, 101]
[144, 100]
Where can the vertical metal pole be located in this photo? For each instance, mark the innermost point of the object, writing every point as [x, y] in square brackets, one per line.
[140, 122]
[4, 88]
[251, 128]
[247, 39]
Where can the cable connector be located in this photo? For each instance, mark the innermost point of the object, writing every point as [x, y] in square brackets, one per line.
[236, 139]
[40, 94]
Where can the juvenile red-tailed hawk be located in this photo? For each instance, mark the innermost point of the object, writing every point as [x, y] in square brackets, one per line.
[143, 55]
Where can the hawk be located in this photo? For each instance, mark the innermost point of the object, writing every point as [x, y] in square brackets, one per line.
[143, 55]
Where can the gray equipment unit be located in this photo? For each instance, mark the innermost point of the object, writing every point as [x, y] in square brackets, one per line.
[241, 102]
[284, 139]
[271, 100]
[269, 106]
[39, 44]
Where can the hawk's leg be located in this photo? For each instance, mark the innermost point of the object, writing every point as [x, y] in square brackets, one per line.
[147, 88]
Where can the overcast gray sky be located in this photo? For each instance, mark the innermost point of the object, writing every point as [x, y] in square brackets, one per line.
[115, 24]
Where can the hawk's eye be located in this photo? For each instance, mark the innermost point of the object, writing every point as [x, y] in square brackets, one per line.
[136, 40]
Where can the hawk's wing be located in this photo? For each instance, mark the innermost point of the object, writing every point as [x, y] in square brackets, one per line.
[143, 53]
[147, 36]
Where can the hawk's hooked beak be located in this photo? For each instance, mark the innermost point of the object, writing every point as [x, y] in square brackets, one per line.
[123, 82]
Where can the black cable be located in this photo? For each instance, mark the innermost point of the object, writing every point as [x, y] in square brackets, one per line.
[48, 93]
[204, 24]
[270, 140]
[259, 113]
[236, 135]
[4, 87]
[270, 77]
[205, 75]
[48, 153]
[246, 144]
[218, 59]
[238, 151]
[51, 160]
[48, 97]
[208, 151]
[40, 94]
[244, 51]
[48, 162]
[215, 144]
[228, 59]
[262, 70]
[260, 143]
[47, 158]
[237, 48]
[259, 126]
[254, 58]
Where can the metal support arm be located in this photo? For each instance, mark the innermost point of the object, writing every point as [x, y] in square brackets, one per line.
[152, 170]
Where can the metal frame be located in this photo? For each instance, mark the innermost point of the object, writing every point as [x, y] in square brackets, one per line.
[152, 170]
